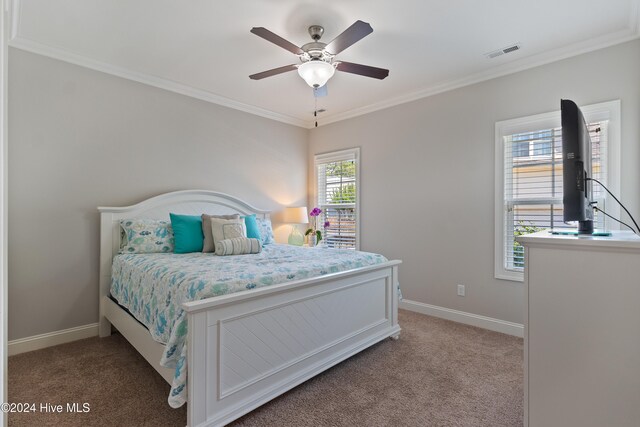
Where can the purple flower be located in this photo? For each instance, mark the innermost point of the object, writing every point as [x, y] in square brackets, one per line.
[327, 224]
[315, 212]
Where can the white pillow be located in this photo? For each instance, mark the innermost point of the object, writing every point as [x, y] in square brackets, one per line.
[222, 229]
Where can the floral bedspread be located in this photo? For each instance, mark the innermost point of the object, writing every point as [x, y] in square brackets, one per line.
[153, 287]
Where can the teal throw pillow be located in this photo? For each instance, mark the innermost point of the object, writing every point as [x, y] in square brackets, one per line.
[187, 232]
[253, 232]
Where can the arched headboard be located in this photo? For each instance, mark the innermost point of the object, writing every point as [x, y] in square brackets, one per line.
[190, 202]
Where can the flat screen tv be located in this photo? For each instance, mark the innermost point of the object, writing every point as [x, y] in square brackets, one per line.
[576, 163]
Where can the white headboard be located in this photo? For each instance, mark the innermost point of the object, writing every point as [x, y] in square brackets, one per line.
[190, 202]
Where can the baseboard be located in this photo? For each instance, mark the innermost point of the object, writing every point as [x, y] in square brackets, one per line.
[490, 323]
[50, 339]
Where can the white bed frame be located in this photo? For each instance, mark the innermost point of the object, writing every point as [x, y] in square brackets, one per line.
[246, 348]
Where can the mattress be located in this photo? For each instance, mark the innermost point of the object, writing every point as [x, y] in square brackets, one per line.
[154, 286]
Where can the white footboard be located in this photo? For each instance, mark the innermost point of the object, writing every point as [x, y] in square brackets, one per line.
[247, 348]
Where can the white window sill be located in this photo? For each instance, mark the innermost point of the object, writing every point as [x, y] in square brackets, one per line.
[512, 276]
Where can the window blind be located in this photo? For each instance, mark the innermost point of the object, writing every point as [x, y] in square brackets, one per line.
[533, 185]
[337, 197]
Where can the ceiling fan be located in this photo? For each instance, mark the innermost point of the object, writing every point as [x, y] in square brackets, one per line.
[318, 62]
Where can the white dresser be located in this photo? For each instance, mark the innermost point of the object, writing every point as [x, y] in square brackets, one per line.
[582, 330]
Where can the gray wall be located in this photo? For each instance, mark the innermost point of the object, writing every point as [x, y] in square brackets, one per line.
[79, 139]
[427, 190]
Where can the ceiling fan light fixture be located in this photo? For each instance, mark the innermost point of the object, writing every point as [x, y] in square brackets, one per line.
[316, 72]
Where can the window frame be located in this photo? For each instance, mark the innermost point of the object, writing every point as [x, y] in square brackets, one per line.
[336, 156]
[610, 111]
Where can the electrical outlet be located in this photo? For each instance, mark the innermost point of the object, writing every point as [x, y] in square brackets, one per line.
[461, 290]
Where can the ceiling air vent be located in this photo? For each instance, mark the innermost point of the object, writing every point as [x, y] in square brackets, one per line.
[502, 51]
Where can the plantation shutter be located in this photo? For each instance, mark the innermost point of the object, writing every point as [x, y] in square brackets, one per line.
[533, 185]
[337, 196]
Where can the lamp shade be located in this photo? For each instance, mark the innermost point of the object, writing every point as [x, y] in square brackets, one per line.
[297, 215]
[316, 73]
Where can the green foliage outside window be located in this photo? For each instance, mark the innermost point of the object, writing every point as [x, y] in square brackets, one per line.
[345, 169]
[521, 229]
[345, 194]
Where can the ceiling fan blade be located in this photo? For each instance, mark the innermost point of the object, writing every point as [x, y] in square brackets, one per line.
[276, 39]
[321, 91]
[355, 32]
[272, 72]
[363, 70]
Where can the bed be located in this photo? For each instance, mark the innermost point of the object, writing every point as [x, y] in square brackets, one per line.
[311, 321]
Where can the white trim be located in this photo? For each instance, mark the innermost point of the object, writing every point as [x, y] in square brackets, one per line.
[339, 155]
[5, 17]
[609, 110]
[484, 322]
[336, 156]
[632, 32]
[148, 79]
[37, 342]
[586, 46]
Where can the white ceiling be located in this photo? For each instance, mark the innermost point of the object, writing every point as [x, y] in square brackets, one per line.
[204, 48]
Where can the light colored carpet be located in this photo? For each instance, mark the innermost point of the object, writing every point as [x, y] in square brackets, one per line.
[438, 373]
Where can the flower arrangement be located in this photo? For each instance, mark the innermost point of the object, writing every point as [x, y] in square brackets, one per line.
[314, 234]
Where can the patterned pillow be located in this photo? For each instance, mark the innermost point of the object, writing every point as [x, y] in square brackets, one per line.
[222, 229]
[266, 230]
[143, 236]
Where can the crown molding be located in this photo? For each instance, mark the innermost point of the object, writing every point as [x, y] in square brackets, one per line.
[632, 32]
[555, 55]
[22, 43]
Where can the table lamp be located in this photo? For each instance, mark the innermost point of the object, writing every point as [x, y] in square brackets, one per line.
[296, 215]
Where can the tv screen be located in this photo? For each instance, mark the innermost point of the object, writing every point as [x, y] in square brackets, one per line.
[576, 163]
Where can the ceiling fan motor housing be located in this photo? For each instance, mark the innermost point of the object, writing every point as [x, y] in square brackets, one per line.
[316, 32]
[314, 50]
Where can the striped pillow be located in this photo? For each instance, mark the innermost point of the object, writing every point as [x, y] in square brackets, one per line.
[238, 246]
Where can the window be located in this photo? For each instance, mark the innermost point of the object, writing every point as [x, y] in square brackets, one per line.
[337, 194]
[529, 178]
